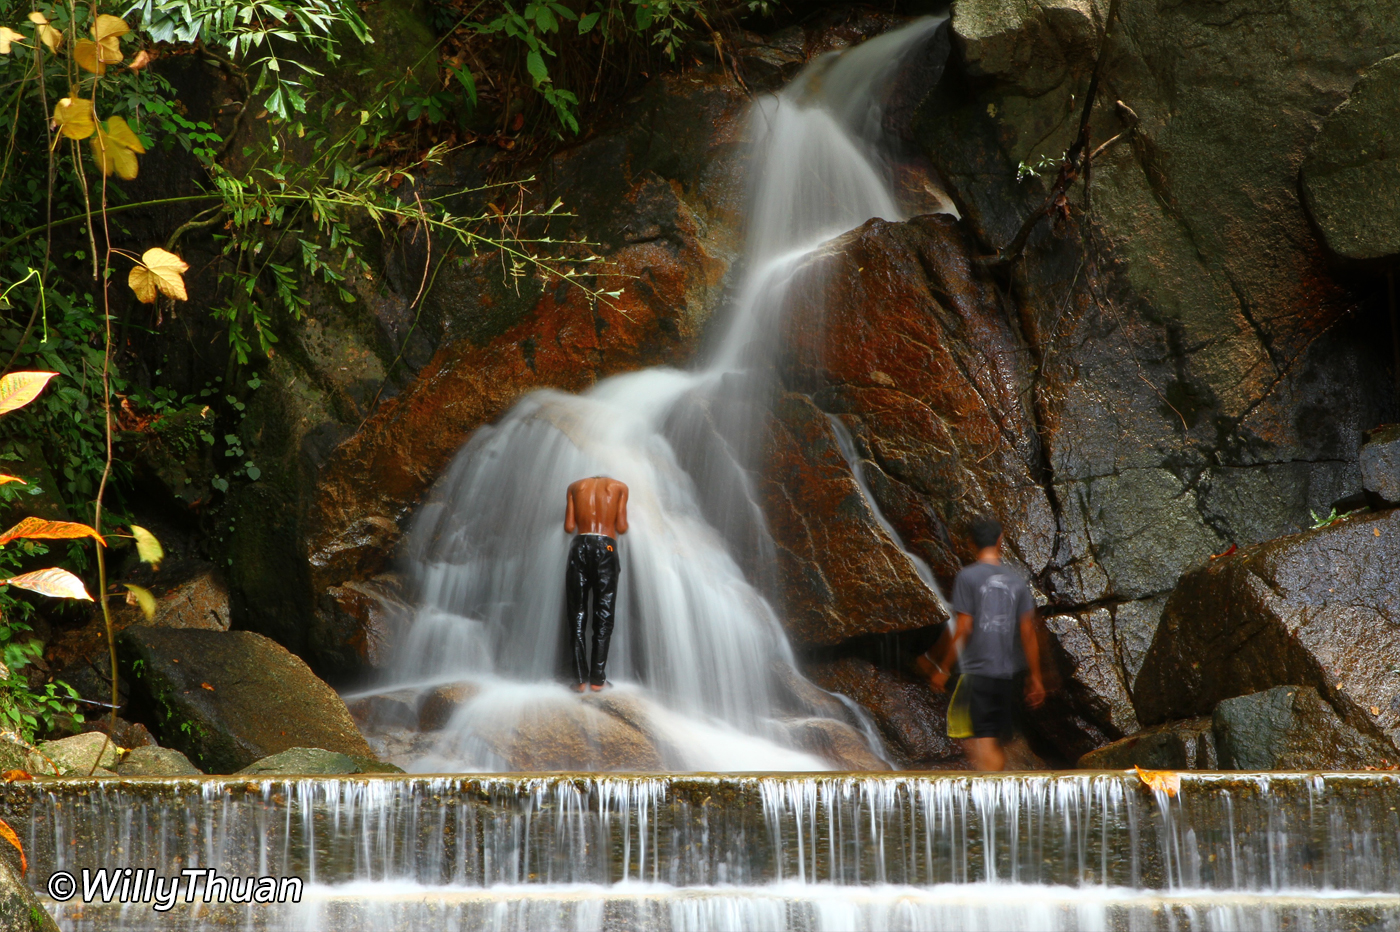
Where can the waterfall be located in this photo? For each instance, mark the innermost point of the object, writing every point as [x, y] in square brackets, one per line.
[1080, 851]
[702, 667]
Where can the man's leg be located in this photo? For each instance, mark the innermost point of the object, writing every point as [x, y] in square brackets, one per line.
[576, 599]
[604, 608]
[985, 753]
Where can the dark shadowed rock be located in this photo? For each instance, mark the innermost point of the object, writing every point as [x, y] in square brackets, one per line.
[1317, 609]
[156, 762]
[368, 617]
[912, 718]
[1291, 728]
[1380, 466]
[1185, 745]
[1351, 178]
[396, 709]
[229, 698]
[836, 743]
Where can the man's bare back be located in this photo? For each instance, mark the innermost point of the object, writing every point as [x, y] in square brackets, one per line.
[597, 505]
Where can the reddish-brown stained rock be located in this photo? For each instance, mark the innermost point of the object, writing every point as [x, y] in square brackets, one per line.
[912, 717]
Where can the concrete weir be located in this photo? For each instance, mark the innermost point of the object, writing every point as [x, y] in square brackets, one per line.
[1070, 851]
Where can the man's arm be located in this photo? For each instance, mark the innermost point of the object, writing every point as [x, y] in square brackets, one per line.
[1030, 643]
[569, 524]
[952, 648]
[622, 511]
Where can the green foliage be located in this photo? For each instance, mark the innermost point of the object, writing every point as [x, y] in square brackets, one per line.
[250, 33]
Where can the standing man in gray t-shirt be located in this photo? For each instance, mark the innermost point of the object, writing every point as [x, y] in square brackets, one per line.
[995, 645]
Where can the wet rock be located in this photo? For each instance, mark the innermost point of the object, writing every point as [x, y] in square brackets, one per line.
[156, 762]
[75, 755]
[20, 909]
[571, 736]
[836, 743]
[1316, 609]
[1184, 745]
[1096, 668]
[839, 573]
[201, 602]
[227, 699]
[1291, 728]
[315, 762]
[912, 718]
[889, 328]
[14, 752]
[368, 617]
[440, 702]
[1351, 177]
[397, 709]
[1380, 466]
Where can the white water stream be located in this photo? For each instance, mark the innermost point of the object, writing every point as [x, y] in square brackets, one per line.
[702, 665]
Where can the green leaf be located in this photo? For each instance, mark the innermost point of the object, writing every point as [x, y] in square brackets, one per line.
[535, 64]
[464, 77]
[147, 547]
[588, 22]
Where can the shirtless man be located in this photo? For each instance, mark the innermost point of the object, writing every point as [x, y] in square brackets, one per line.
[597, 510]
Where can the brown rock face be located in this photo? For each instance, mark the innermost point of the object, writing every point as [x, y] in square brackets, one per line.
[835, 742]
[913, 718]
[1317, 609]
[228, 698]
[1185, 745]
[840, 575]
[572, 736]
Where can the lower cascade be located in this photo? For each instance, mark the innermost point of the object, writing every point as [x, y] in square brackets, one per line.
[699, 852]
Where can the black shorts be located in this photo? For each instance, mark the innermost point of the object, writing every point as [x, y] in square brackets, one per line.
[984, 707]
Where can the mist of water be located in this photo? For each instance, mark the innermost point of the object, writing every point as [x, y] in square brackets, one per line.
[704, 667]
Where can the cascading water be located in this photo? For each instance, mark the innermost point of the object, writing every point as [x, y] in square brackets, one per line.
[702, 665]
[1042, 852]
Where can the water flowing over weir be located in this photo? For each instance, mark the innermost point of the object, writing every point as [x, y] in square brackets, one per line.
[803, 852]
[703, 666]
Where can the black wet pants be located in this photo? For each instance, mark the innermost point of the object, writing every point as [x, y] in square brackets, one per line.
[593, 568]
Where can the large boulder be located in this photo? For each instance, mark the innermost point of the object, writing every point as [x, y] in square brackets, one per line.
[1317, 609]
[88, 753]
[315, 762]
[229, 698]
[154, 761]
[1291, 728]
[570, 736]
[1351, 177]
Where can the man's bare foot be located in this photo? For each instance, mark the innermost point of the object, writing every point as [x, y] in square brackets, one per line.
[580, 687]
[599, 687]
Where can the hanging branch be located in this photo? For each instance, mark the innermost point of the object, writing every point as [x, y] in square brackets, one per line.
[1076, 161]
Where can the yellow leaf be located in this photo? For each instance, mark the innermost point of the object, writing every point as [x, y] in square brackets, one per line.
[147, 547]
[8, 35]
[159, 270]
[143, 59]
[55, 582]
[109, 27]
[114, 148]
[6, 480]
[142, 597]
[20, 388]
[50, 36]
[33, 528]
[1166, 781]
[85, 53]
[10, 776]
[74, 117]
[9, 835]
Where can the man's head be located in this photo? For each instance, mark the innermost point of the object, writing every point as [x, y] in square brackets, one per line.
[985, 532]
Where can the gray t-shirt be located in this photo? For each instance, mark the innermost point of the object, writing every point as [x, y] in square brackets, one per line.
[996, 597]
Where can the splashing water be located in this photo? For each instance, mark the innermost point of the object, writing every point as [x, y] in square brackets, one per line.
[703, 668]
